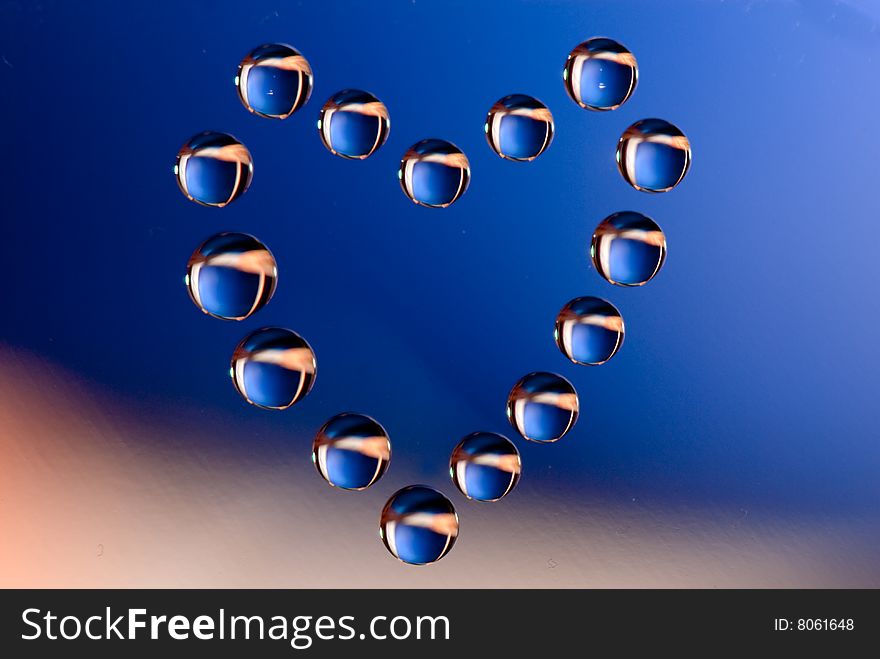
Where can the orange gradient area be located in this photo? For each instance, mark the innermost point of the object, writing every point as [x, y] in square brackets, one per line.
[373, 109]
[293, 359]
[98, 491]
[611, 323]
[508, 463]
[289, 63]
[255, 261]
[229, 153]
[458, 160]
[373, 447]
[625, 59]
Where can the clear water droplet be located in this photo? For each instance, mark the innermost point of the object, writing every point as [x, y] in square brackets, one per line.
[434, 173]
[418, 525]
[351, 451]
[273, 368]
[353, 124]
[628, 249]
[485, 466]
[274, 81]
[213, 169]
[542, 407]
[600, 74]
[653, 155]
[519, 127]
[231, 276]
[589, 330]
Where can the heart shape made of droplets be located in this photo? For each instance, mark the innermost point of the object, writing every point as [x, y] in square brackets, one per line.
[232, 275]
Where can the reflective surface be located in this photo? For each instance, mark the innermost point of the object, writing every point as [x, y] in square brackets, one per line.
[628, 249]
[119, 428]
[274, 81]
[213, 169]
[353, 124]
[600, 74]
[273, 368]
[653, 155]
[434, 173]
[589, 330]
[485, 466]
[418, 525]
[542, 407]
[231, 276]
[519, 127]
[351, 451]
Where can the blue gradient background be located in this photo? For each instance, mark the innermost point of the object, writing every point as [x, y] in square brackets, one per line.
[749, 372]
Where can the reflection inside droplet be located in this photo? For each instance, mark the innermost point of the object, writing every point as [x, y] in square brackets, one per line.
[213, 169]
[485, 466]
[434, 173]
[353, 124]
[519, 127]
[600, 74]
[542, 407]
[273, 368]
[274, 81]
[231, 276]
[628, 249]
[418, 525]
[351, 451]
[653, 155]
[589, 330]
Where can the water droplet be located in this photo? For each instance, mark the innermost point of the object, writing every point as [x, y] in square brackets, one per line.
[231, 276]
[418, 525]
[351, 451]
[485, 466]
[273, 368]
[213, 169]
[519, 127]
[274, 81]
[628, 249]
[434, 173]
[653, 155]
[542, 407]
[600, 74]
[353, 124]
[589, 330]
